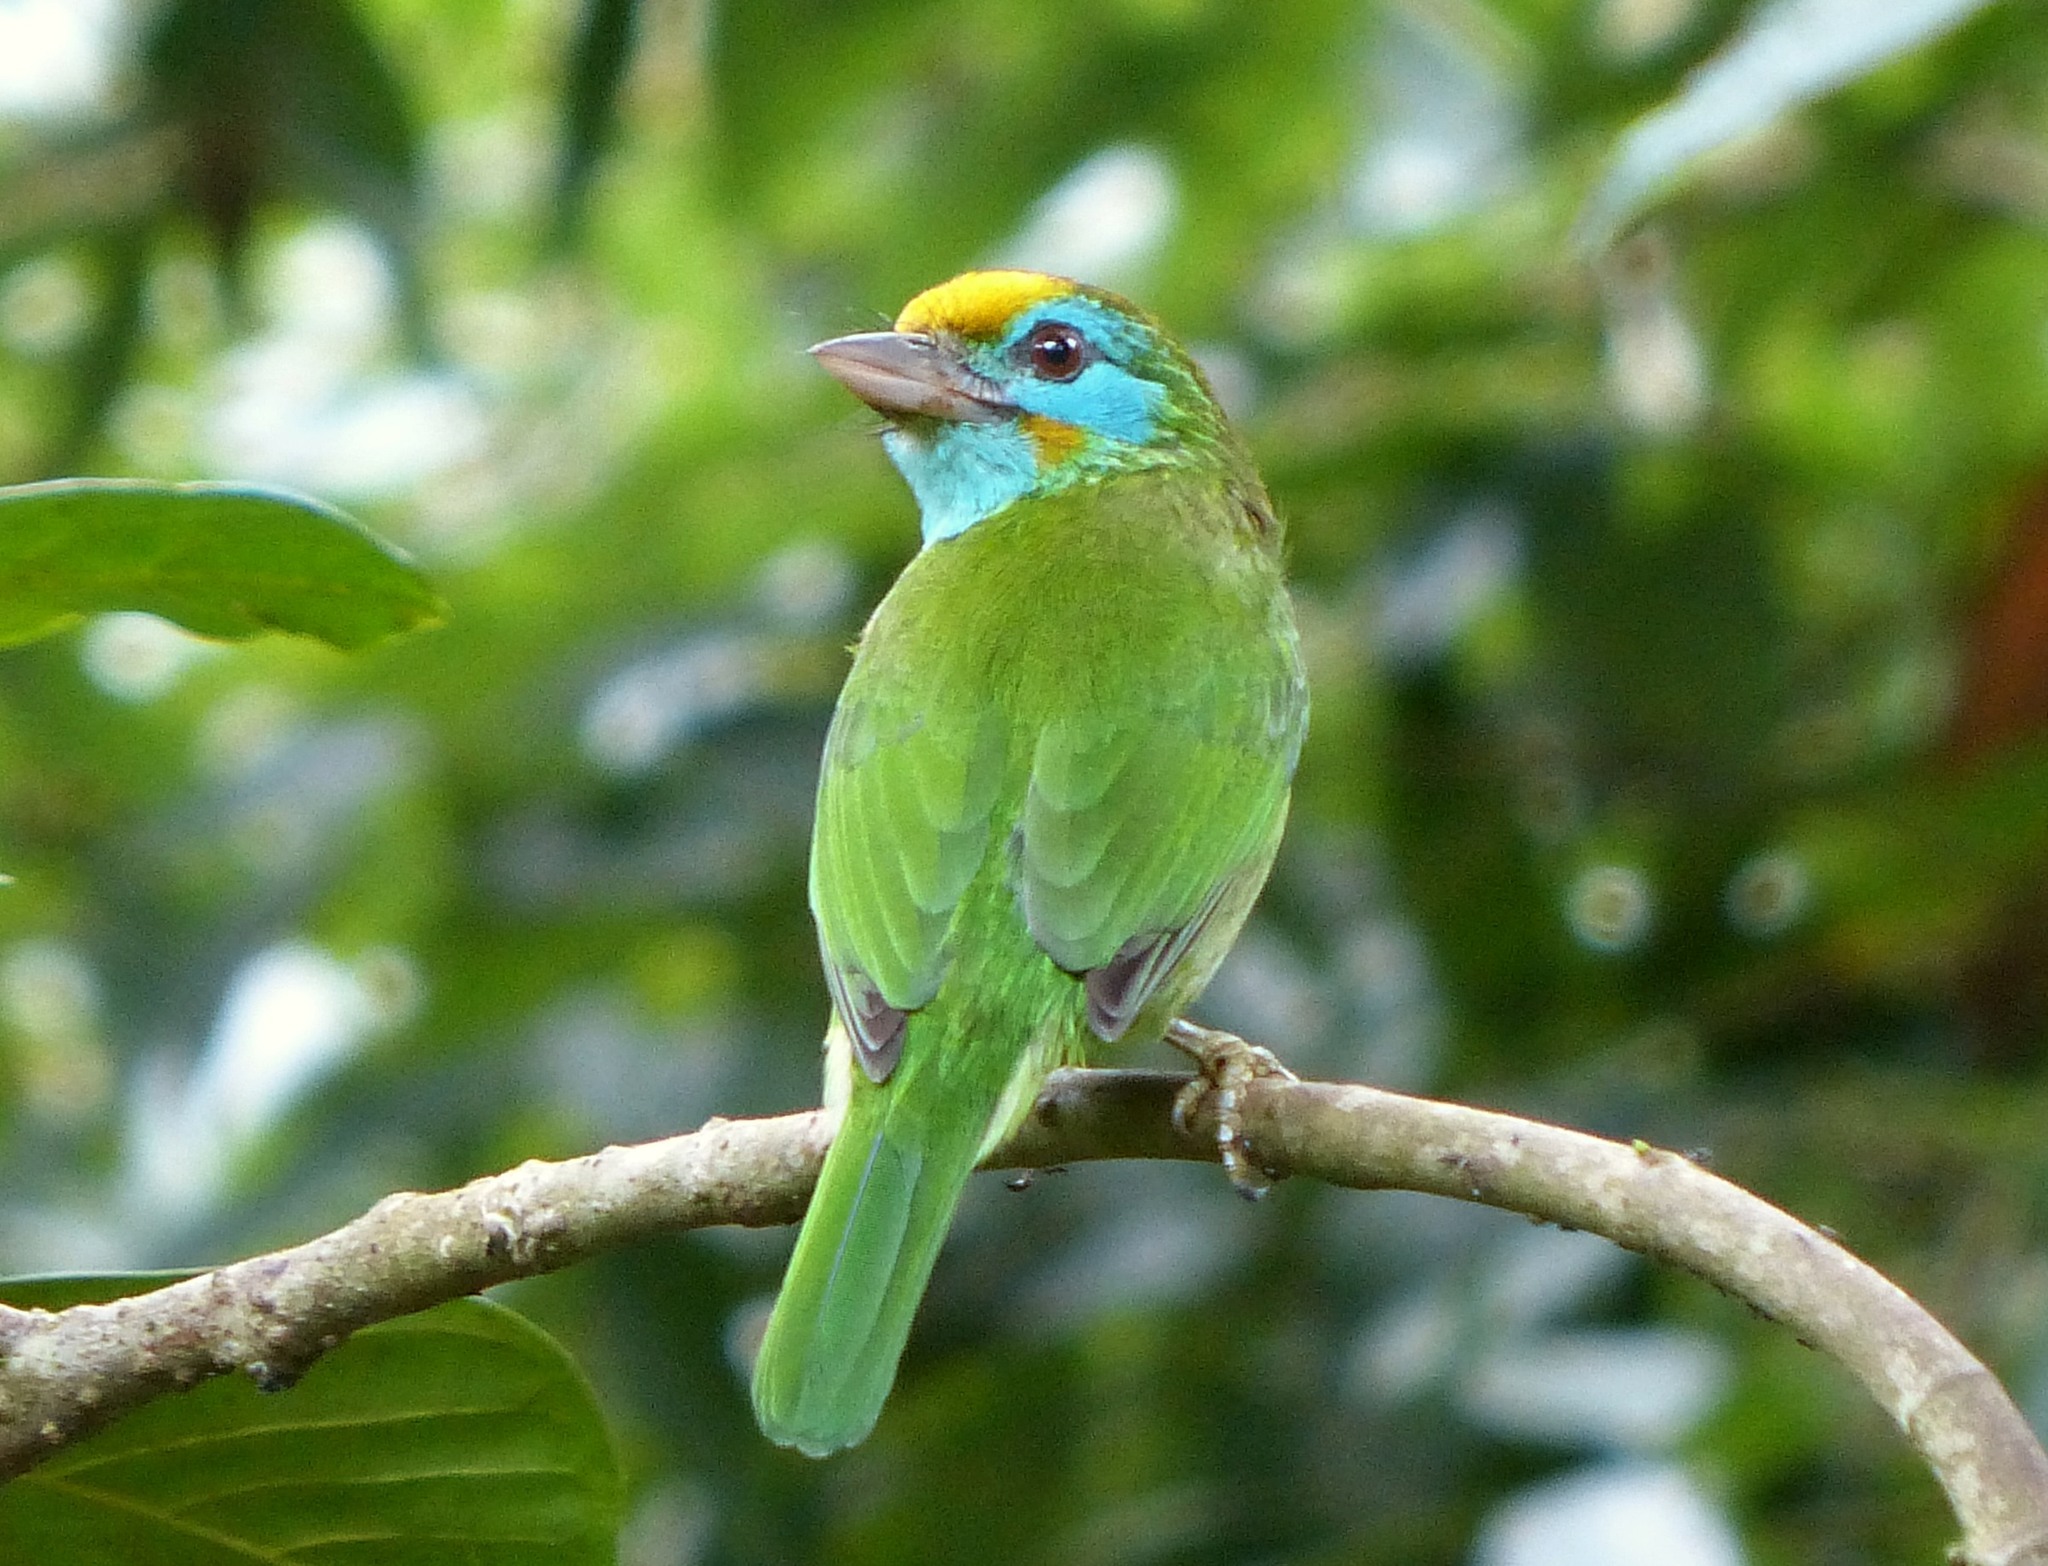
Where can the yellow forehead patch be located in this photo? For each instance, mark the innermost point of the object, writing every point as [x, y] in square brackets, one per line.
[979, 304]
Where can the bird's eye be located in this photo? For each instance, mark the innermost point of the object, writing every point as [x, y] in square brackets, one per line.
[1056, 352]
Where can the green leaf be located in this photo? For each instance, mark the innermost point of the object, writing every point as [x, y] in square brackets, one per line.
[227, 560]
[463, 1433]
[1790, 53]
[61, 1291]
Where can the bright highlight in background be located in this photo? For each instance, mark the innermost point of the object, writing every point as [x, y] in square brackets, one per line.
[56, 56]
[292, 1016]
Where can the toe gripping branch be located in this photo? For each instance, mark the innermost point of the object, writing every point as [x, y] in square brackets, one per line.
[1224, 1064]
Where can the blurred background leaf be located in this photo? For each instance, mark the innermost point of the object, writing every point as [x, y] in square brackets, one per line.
[1676, 769]
[1788, 53]
[597, 65]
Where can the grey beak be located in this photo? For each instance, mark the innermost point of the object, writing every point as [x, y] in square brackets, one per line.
[903, 373]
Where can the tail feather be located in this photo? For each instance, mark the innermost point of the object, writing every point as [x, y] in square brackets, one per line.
[884, 1202]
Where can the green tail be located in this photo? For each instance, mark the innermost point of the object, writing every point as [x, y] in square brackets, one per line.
[884, 1202]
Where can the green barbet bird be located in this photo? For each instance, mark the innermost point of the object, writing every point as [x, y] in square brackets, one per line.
[1053, 786]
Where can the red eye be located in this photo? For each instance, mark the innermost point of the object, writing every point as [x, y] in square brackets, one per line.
[1056, 352]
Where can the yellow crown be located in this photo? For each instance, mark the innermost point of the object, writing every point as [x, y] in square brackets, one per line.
[979, 304]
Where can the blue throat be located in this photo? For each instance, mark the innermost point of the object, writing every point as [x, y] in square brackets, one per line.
[961, 473]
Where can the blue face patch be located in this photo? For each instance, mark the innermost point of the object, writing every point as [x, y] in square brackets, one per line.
[1105, 399]
[961, 473]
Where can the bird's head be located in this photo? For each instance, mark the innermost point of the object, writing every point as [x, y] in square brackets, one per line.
[1003, 385]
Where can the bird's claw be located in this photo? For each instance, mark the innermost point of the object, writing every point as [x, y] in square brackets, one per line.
[1224, 1065]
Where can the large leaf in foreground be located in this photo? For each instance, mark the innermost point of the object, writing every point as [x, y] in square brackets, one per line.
[463, 1434]
[228, 560]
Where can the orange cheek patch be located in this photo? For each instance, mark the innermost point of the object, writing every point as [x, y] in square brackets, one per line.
[978, 304]
[1054, 440]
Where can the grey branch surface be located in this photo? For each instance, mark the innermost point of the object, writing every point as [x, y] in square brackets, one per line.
[66, 1373]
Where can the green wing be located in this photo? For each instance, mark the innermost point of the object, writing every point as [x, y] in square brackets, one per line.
[904, 799]
[1140, 829]
[1136, 829]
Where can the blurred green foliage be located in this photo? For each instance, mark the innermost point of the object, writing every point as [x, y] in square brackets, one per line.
[1678, 767]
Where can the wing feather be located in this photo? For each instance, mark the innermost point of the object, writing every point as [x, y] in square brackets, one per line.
[902, 825]
[1132, 844]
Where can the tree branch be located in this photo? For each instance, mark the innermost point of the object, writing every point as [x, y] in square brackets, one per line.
[66, 1373]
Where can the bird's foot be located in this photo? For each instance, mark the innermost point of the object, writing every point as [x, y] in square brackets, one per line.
[1224, 1065]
